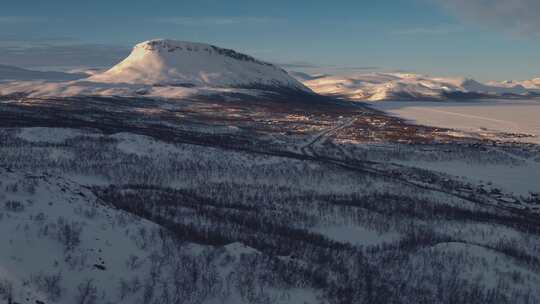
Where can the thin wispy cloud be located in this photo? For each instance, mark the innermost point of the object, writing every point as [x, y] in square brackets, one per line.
[299, 65]
[28, 41]
[310, 71]
[309, 65]
[358, 68]
[217, 21]
[518, 16]
[20, 19]
[429, 31]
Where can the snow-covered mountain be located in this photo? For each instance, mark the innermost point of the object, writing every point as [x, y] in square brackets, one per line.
[178, 69]
[179, 63]
[169, 69]
[533, 84]
[403, 86]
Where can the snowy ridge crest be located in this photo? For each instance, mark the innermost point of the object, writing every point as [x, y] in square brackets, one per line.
[405, 86]
[160, 45]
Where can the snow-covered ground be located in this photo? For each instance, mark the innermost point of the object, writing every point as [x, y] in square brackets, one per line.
[479, 264]
[518, 179]
[497, 119]
[61, 244]
[48, 135]
[56, 237]
[415, 237]
[477, 117]
[357, 235]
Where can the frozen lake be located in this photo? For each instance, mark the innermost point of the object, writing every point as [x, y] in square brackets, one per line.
[487, 117]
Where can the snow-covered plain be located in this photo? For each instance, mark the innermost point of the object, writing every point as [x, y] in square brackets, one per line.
[505, 120]
[518, 179]
[487, 118]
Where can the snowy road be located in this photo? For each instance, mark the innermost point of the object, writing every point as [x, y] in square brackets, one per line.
[307, 149]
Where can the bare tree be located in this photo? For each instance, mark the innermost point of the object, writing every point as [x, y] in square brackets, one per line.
[69, 234]
[87, 292]
[6, 290]
[49, 284]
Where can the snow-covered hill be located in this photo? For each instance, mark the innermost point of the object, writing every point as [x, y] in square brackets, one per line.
[402, 86]
[61, 244]
[179, 63]
[533, 84]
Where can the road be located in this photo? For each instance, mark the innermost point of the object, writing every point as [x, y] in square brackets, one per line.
[308, 148]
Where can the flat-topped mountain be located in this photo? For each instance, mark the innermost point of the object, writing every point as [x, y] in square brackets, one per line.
[178, 63]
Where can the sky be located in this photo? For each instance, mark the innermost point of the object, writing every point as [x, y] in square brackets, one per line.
[486, 40]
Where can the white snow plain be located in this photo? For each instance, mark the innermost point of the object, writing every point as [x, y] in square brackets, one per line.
[517, 179]
[486, 118]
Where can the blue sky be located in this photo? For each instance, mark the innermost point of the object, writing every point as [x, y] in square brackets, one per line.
[439, 37]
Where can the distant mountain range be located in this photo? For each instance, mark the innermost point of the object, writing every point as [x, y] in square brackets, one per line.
[178, 69]
[402, 86]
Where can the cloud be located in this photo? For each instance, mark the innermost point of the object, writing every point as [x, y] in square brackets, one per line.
[358, 68]
[20, 19]
[12, 39]
[429, 31]
[216, 21]
[519, 16]
[299, 65]
[307, 65]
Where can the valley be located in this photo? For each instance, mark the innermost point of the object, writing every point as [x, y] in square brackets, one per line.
[285, 198]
